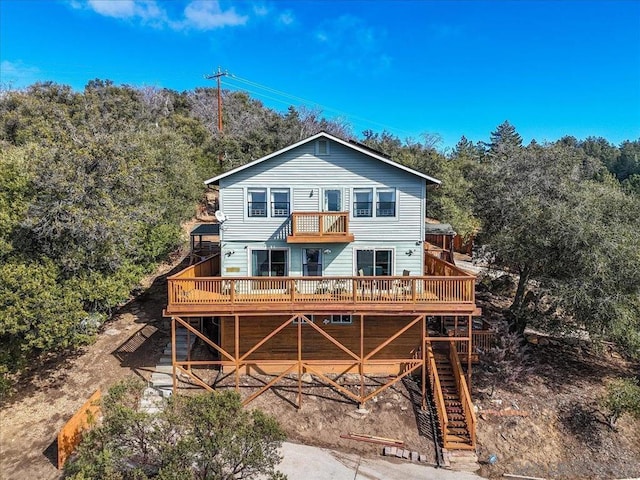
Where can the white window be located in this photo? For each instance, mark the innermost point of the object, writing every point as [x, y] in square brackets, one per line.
[279, 202]
[341, 319]
[297, 320]
[270, 263]
[363, 202]
[257, 202]
[322, 147]
[386, 202]
[374, 262]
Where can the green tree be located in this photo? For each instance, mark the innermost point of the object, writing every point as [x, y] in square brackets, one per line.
[628, 161]
[37, 313]
[546, 219]
[207, 436]
[504, 140]
[601, 149]
[622, 397]
[16, 186]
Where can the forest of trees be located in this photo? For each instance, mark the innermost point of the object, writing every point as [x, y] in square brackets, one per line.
[94, 186]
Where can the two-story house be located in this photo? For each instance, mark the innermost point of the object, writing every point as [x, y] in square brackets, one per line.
[322, 270]
[322, 207]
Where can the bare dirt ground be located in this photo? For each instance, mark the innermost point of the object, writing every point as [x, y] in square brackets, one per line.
[325, 414]
[562, 435]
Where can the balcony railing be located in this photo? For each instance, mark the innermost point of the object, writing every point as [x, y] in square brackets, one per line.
[320, 227]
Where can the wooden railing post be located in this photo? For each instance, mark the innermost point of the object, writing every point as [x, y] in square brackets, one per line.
[414, 289]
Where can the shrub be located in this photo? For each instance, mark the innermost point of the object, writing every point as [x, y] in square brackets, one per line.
[622, 396]
[207, 436]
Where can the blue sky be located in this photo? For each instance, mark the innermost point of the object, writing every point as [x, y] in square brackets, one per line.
[451, 68]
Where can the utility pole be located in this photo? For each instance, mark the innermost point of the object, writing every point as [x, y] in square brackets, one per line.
[217, 76]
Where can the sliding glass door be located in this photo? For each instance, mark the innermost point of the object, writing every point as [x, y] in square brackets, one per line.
[374, 262]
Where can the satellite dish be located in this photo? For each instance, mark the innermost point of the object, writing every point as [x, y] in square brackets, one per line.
[220, 216]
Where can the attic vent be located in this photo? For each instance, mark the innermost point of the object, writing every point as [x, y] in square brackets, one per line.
[322, 147]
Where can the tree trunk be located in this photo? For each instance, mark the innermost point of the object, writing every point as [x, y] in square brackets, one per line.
[518, 322]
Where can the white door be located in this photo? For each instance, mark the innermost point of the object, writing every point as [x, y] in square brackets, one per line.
[312, 262]
[332, 201]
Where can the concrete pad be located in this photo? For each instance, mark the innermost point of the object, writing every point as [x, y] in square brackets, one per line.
[312, 463]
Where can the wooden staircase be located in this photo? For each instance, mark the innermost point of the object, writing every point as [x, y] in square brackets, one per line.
[457, 422]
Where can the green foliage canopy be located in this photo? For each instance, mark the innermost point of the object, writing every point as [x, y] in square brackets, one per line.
[206, 436]
[551, 213]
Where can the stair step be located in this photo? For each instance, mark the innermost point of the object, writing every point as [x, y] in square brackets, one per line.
[460, 446]
[458, 438]
[456, 417]
[456, 424]
[460, 431]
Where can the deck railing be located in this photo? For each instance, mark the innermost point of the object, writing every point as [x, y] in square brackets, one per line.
[192, 290]
[435, 266]
[465, 395]
[320, 224]
[438, 397]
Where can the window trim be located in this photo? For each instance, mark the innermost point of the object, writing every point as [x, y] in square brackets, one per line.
[273, 202]
[395, 201]
[340, 319]
[333, 189]
[250, 190]
[374, 202]
[303, 258]
[354, 201]
[268, 201]
[311, 318]
[267, 249]
[392, 268]
[317, 147]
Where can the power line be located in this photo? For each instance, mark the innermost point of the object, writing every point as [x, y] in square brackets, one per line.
[304, 101]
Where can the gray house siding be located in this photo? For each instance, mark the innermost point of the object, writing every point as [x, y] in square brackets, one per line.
[337, 259]
[306, 176]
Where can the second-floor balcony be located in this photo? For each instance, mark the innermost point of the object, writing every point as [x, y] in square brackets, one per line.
[320, 227]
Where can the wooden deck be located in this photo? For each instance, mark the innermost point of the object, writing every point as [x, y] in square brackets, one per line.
[198, 291]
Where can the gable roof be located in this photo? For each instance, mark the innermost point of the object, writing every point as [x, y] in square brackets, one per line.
[352, 145]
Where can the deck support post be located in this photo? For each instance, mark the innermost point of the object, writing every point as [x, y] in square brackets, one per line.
[173, 355]
[188, 349]
[361, 363]
[300, 318]
[469, 347]
[423, 351]
[236, 327]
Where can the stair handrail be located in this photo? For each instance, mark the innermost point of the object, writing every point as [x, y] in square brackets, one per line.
[463, 391]
[434, 380]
